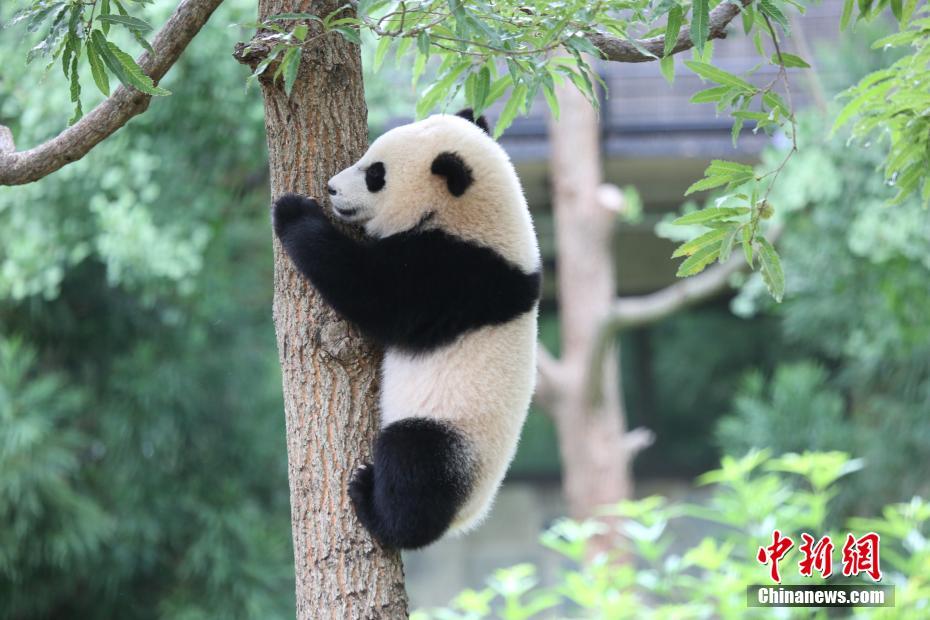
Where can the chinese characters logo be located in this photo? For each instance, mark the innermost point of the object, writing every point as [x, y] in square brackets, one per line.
[860, 555]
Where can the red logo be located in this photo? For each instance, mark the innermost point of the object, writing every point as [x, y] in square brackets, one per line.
[860, 555]
[774, 552]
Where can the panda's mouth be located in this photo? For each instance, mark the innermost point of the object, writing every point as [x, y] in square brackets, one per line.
[346, 212]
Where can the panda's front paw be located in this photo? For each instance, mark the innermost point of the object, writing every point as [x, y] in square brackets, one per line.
[291, 208]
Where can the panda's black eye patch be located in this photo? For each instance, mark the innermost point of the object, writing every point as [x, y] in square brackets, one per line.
[374, 177]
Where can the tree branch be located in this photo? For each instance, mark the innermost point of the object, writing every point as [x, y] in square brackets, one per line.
[115, 111]
[645, 309]
[619, 50]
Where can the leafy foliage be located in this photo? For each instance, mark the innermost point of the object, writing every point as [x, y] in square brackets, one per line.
[76, 26]
[142, 462]
[891, 104]
[858, 310]
[751, 496]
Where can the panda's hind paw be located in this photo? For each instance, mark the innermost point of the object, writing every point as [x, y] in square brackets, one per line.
[361, 492]
[291, 208]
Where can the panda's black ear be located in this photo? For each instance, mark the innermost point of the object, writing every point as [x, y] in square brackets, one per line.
[469, 115]
[453, 168]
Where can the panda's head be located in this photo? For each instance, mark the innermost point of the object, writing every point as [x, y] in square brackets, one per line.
[442, 172]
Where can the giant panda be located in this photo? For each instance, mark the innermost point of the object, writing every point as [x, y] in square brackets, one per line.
[447, 279]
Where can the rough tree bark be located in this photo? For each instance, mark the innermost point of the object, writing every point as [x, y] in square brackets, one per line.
[596, 449]
[330, 374]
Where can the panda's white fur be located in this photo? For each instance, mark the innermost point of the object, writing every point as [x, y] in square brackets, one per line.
[491, 212]
[455, 389]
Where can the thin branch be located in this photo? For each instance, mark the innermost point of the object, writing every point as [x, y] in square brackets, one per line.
[646, 309]
[113, 112]
[620, 50]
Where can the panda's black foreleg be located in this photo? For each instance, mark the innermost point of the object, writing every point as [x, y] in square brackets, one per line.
[341, 268]
[420, 478]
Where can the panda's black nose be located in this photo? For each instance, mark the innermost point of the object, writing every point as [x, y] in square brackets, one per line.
[331, 189]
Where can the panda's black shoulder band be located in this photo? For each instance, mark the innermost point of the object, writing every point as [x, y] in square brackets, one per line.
[416, 290]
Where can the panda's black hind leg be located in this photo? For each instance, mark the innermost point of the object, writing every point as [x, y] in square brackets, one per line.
[420, 478]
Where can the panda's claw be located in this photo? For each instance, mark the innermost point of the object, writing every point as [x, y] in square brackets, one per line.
[361, 492]
[291, 208]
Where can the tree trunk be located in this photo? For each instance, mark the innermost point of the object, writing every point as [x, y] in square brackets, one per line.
[330, 374]
[596, 450]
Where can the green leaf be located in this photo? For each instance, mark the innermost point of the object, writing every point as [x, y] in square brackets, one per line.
[707, 183]
[847, 14]
[133, 23]
[851, 108]
[384, 45]
[770, 265]
[769, 8]
[289, 66]
[97, 69]
[482, 89]
[733, 168]
[423, 43]
[700, 24]
[667, 66]
[720, 76]
[726, 246]
[709, 214]
[439, 89]
[699, 260]
[105, 10]
[710, 95]
[735, 129]
[124, 67]
[552, 100]
[790, 60]
[75, 92]
[672, 28]
[897, 9]
[511, 108]
[747, 244]
[349, 34]
[691, 247]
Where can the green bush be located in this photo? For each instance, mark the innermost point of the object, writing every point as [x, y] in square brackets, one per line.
[660, 580]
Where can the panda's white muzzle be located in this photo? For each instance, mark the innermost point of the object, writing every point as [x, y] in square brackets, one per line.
[347, 197]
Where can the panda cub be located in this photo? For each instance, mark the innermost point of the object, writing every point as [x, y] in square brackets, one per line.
[447, 279]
